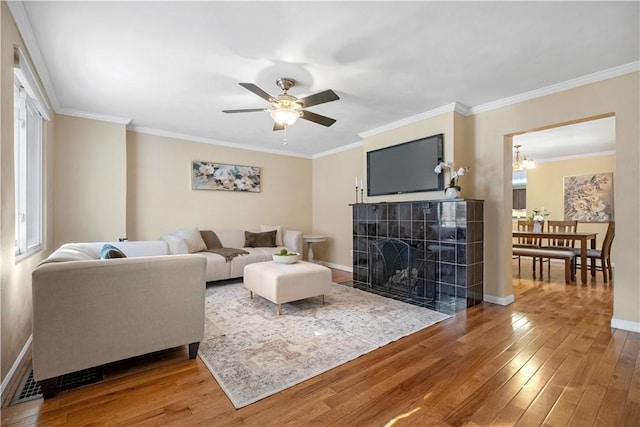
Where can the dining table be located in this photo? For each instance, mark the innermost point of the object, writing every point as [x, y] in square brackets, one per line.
[585, 239]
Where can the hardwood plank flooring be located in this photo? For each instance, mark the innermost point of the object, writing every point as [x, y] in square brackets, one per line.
[550, 359]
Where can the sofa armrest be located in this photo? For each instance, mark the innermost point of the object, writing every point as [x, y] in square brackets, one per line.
[292, 240]
[88, 313]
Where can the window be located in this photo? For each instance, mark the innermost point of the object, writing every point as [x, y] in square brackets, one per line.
[29, 110]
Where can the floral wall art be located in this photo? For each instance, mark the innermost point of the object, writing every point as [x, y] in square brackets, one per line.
[589, 198]
[216, 176]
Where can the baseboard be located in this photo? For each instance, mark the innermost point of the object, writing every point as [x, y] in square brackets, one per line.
[626, 325]
[336, 266]
[16, 366]
[499, 300]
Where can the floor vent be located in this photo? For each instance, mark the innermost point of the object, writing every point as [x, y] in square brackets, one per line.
[30, 389]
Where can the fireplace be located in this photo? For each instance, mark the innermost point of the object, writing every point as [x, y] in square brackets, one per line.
[428, 253]
[400, 270]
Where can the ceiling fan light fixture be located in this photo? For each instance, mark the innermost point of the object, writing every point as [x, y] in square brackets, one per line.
[285, 116]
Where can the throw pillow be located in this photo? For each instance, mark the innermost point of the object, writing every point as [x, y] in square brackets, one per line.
[260, 240]
[177, 245]
[278, 229]
[193, 239]
[109, 252]
[210, 239]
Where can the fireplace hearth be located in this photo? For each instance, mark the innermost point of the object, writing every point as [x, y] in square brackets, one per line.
[428, 253]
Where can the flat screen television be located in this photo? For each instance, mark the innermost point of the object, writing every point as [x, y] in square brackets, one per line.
[406, 167]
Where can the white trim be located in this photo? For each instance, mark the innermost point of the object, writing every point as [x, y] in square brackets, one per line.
[14, 368]
[28, 80]
[454, 106]
[499, 300]
[94, 116]
[175, 135]
[336, 266]
[26, 31]
[358, 144]
[559, 87]
[626, 325]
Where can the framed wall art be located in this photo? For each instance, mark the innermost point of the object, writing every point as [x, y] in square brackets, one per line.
[589, 198]
[217, 176]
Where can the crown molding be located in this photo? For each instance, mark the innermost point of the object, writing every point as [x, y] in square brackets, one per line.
[556, 88]
[21, 19]
[454, 106]
[176, 135]
[358, 144]
[94, 116]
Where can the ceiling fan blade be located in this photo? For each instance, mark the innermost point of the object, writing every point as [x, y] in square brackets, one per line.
[317, 118]
[246, 110]
[278, 126]
[319, 98]
[255, 89]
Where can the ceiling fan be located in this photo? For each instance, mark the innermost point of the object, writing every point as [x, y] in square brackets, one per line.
[286, 109]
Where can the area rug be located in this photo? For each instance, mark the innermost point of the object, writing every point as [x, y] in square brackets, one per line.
[253, 353]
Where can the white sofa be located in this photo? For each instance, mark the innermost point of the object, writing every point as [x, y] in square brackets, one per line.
[88, 312]
[218, 268]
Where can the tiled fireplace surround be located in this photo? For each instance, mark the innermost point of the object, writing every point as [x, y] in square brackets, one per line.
[441, 239]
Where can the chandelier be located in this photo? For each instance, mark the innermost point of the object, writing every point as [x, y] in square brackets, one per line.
[520, 163]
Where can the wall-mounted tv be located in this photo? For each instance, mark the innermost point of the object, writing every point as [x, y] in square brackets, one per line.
[406, 167]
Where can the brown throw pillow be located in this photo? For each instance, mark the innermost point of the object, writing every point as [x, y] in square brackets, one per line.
[210, 239]
[260, 240]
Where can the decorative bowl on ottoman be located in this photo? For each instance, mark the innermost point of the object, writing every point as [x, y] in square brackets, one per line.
[285, 257]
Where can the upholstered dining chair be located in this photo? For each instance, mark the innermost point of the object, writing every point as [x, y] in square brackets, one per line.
[555, 226]
[603, 255]
[527, 242]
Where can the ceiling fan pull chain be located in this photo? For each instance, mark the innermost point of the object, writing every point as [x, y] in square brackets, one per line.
[284, 141]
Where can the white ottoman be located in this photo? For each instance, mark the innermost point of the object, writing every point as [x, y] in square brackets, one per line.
[280, 283]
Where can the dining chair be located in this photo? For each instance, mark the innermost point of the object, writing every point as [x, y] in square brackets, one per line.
[603, 254]
[527, 242]
[557, 226]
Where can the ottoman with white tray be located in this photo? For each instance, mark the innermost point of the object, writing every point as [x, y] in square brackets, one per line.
[281, 283]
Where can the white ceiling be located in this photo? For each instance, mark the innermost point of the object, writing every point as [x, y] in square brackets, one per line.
[576, 140]
[172, 67]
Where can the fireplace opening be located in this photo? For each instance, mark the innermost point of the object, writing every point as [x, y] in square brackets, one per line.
[400, 270]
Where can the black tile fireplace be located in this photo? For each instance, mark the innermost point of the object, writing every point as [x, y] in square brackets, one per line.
[428, 253]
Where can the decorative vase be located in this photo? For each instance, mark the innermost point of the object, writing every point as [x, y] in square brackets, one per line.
[452, 192]
[537, 226]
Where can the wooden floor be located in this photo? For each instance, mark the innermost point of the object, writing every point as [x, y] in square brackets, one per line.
[550, 358]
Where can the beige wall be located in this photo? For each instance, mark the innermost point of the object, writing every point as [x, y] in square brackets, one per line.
[333, 191]
[90, 180]
[15, 277]
[492, 178]
[545, 186]
[160, 199]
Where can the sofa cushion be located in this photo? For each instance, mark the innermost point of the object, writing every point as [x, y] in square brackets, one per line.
[177, 245]
[278, 229]
[109, 251]
[266, 239]
[211, 239]
[193, 239]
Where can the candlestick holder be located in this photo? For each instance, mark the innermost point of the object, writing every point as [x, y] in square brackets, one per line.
[356, 194]
[362, 195]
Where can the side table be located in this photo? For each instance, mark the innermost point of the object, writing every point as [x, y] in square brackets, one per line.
[310, 239]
